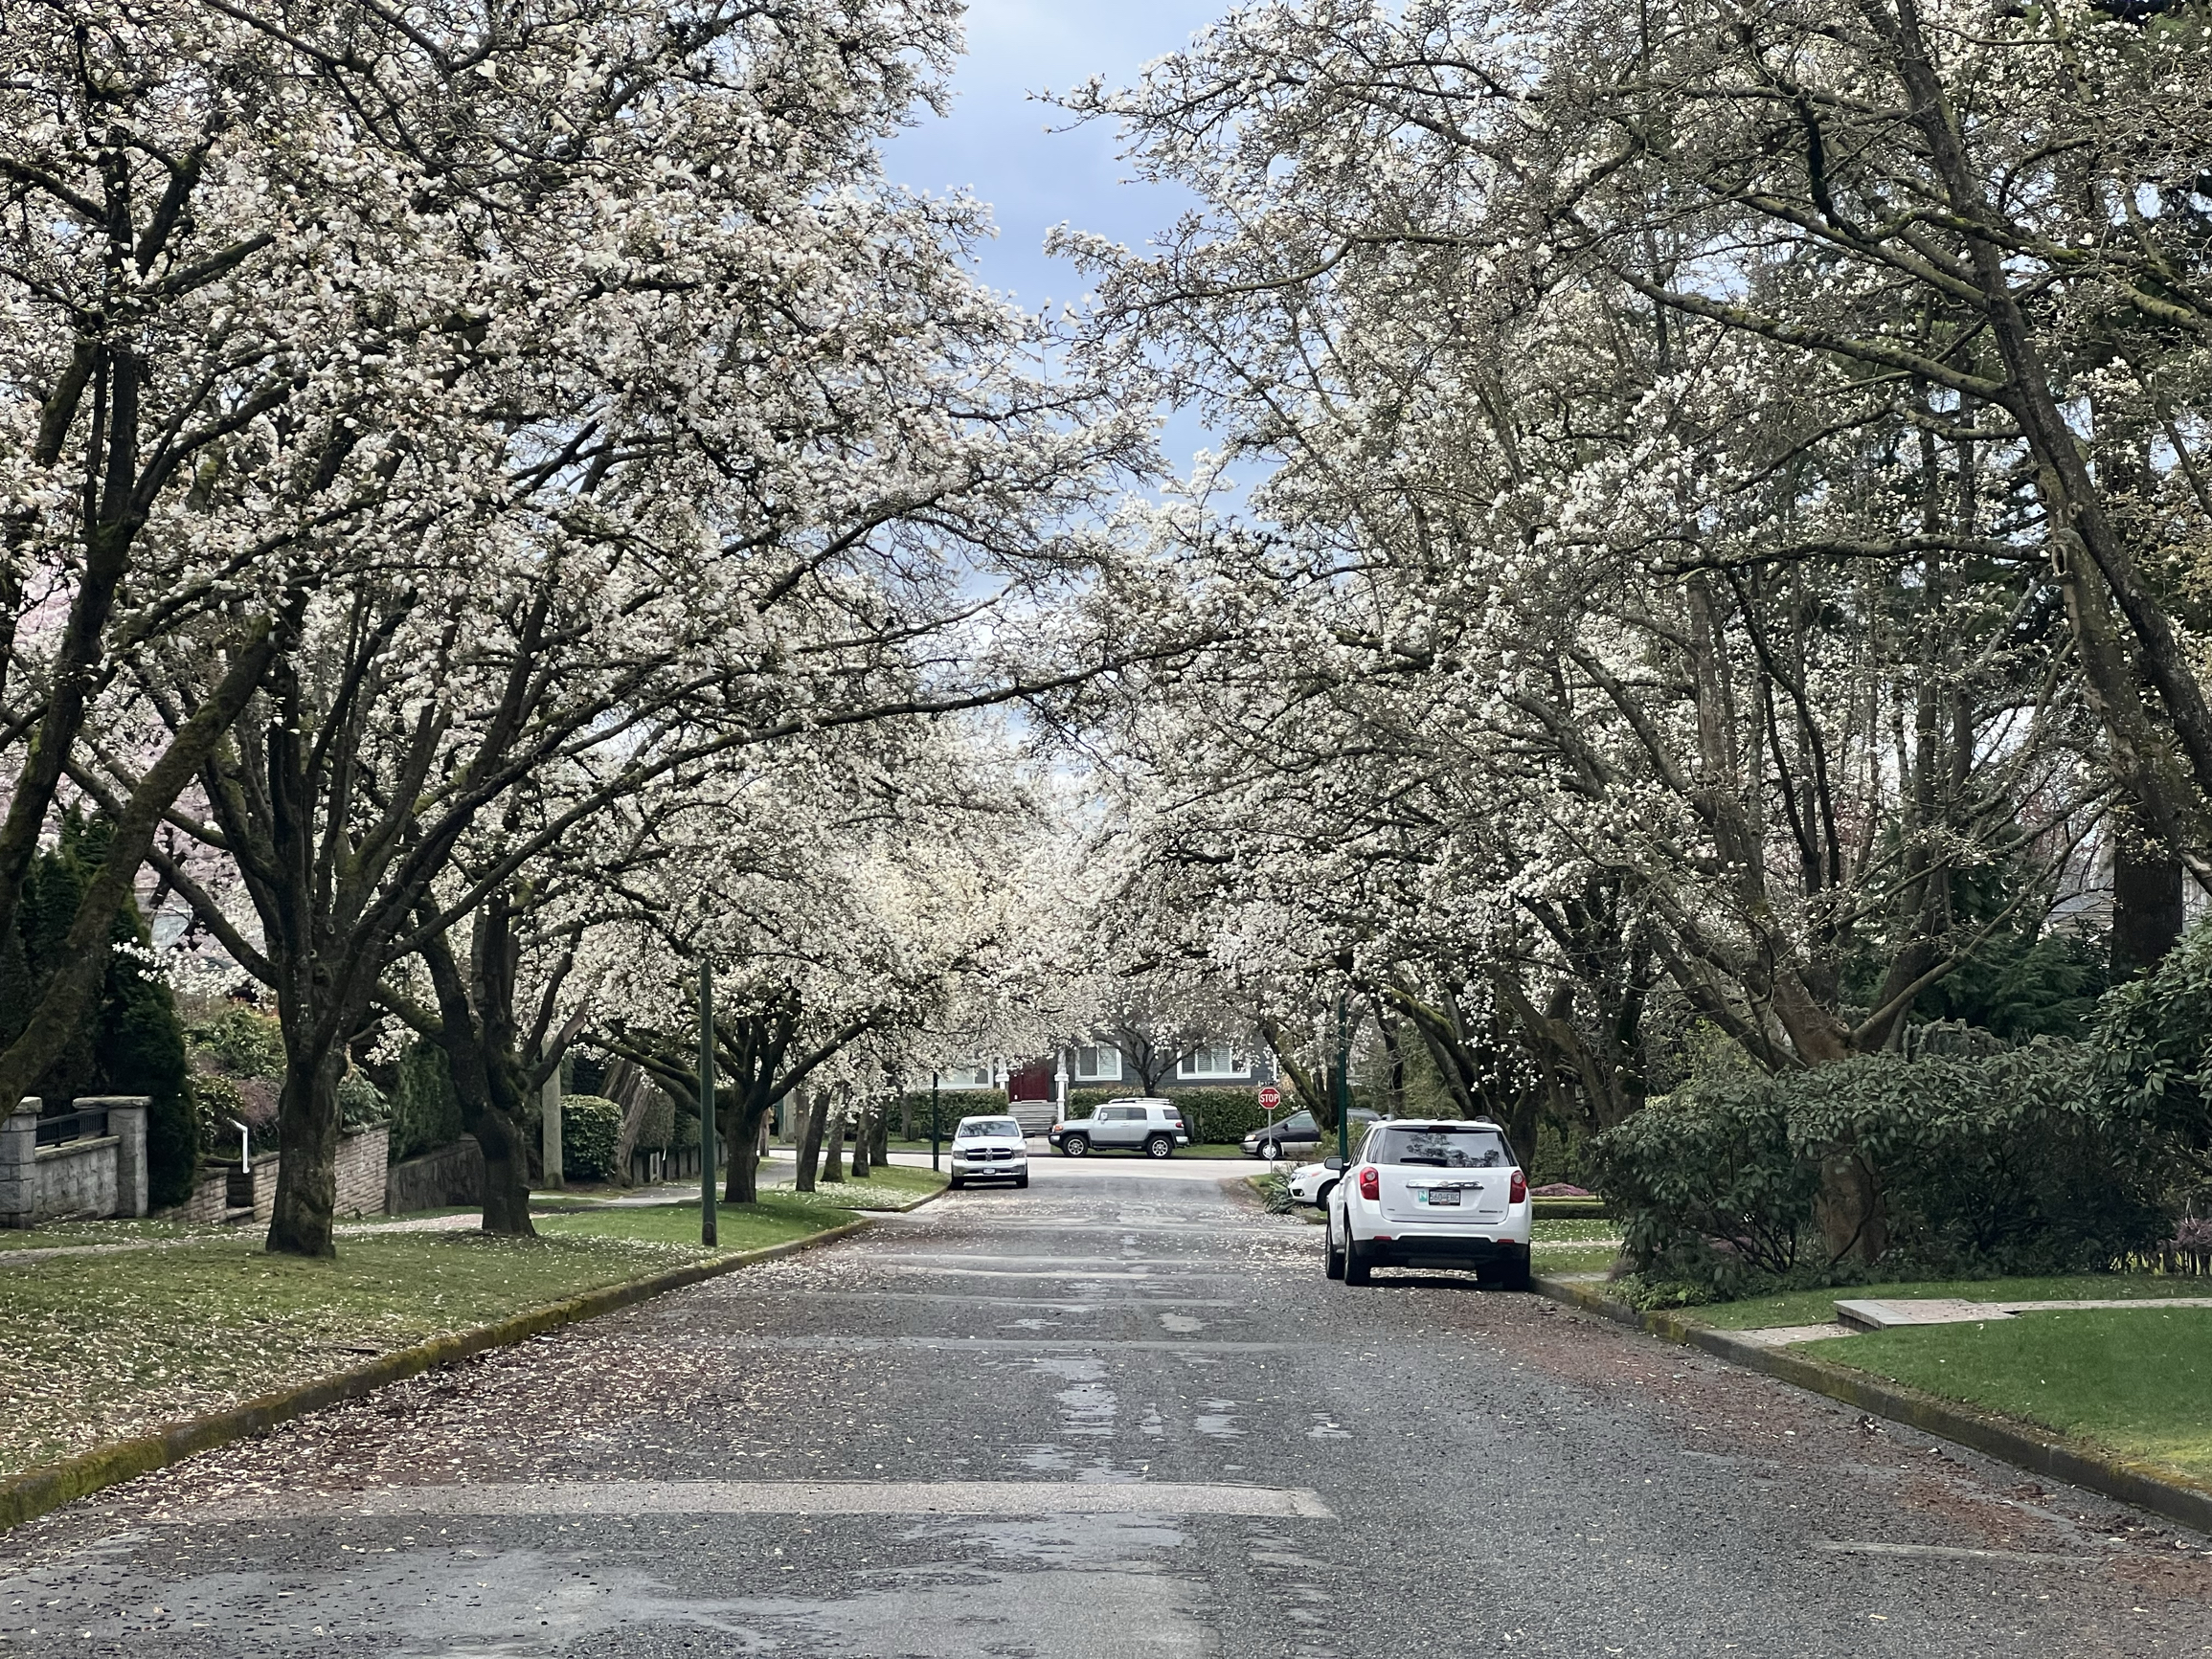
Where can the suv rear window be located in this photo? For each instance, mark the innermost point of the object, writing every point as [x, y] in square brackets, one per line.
[1445, 1146]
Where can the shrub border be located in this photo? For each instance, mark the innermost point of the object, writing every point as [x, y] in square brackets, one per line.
[2147, 1486]
[35, 1492]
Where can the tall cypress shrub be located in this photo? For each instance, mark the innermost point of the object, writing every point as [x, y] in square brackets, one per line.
[131, 1041]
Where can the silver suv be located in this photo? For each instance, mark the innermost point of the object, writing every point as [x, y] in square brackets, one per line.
[1151, 1126]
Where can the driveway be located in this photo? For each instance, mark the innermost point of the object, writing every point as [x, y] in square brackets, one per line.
[1119, 1413]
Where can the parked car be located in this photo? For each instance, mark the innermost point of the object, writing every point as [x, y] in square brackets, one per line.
[1298, 1133]
[1151, 1126]
[1312, 1183]
[1423, 1193]
[989, 1148]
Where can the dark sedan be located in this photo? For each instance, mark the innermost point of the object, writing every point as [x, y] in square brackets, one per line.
[1300, 1132]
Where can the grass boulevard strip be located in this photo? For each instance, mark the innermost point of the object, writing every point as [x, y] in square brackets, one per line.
[2107, 1398]
[113, 1345]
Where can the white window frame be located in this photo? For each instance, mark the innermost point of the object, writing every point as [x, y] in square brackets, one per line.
[980, 1075]
[1198, 1064]
[1108, 1068]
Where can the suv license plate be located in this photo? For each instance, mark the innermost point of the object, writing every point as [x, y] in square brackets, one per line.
[1443, 1195]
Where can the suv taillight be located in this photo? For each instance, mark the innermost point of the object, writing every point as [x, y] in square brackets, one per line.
[1370, 1184]
[1520, 1192]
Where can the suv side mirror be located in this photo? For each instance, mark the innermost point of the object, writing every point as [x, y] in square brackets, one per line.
[1332, 1163]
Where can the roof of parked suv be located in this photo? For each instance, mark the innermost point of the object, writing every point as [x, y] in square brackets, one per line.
[1437, 1122]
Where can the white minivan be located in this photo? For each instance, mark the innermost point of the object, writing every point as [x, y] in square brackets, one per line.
[1432, 1193]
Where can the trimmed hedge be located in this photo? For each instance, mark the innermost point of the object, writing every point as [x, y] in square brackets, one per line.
[425, 1108]
[2026, 1161]
[591, 1129]
[953, 1105]
[657, 1126]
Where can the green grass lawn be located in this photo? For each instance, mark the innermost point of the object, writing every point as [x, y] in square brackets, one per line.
[59, 1234]
[103, 1347]
[777, 1220]
[889, 1186]
[1548, 1230]
[2136, 1380]
[1817, 1307]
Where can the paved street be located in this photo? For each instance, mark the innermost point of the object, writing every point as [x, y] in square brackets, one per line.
[1120, 1412]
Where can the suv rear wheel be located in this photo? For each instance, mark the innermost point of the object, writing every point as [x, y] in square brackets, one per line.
[1075, 1145]
[1333, 1264]
[1504, 1276]
[1160, 1146]
[1358, 1270]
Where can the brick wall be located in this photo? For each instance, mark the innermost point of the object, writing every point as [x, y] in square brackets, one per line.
[210, 1203]
[362, 1157]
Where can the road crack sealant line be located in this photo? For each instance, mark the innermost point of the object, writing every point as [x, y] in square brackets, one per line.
[28, 1495]
[2147, 1486]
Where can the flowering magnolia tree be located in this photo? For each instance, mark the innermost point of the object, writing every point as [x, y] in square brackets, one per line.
[853, 903]
[1729, 484]
[655, 429]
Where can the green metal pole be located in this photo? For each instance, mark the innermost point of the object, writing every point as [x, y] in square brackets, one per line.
[1343, 1090]
[933, 1121]
[707, 1234]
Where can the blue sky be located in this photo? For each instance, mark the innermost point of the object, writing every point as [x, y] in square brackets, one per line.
[995, 143]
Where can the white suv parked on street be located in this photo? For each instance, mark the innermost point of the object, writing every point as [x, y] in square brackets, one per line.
[1151, 1126]
[1430, 1193]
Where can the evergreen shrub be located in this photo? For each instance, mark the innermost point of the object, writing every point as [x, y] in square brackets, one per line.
[953, 1105]
[360, 1102]
[591, 1129]
[241, 1042]
[425, 1108]
[129, 1042]
[657, 1124]
[2025, 1161]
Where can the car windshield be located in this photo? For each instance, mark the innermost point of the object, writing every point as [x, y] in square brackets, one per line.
[1448, 1146]
[976, 1128]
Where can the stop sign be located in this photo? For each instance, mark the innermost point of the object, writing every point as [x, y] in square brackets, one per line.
[1269, 1097]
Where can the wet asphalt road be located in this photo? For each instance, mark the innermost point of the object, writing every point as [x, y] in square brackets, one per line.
[815, 1457]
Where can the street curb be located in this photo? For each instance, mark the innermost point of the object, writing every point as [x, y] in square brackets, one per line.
[26, 1497]
[2146, 1485]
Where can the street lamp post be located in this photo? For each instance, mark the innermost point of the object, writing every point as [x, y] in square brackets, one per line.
[1343, 1090]
[707, 1232]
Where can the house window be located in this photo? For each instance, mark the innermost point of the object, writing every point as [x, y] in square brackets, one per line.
[966, 1077]
[1214, 1059]
[1100, 1065]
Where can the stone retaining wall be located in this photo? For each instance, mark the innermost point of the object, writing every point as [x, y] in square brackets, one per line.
[101, 1176]
[443, 1179]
